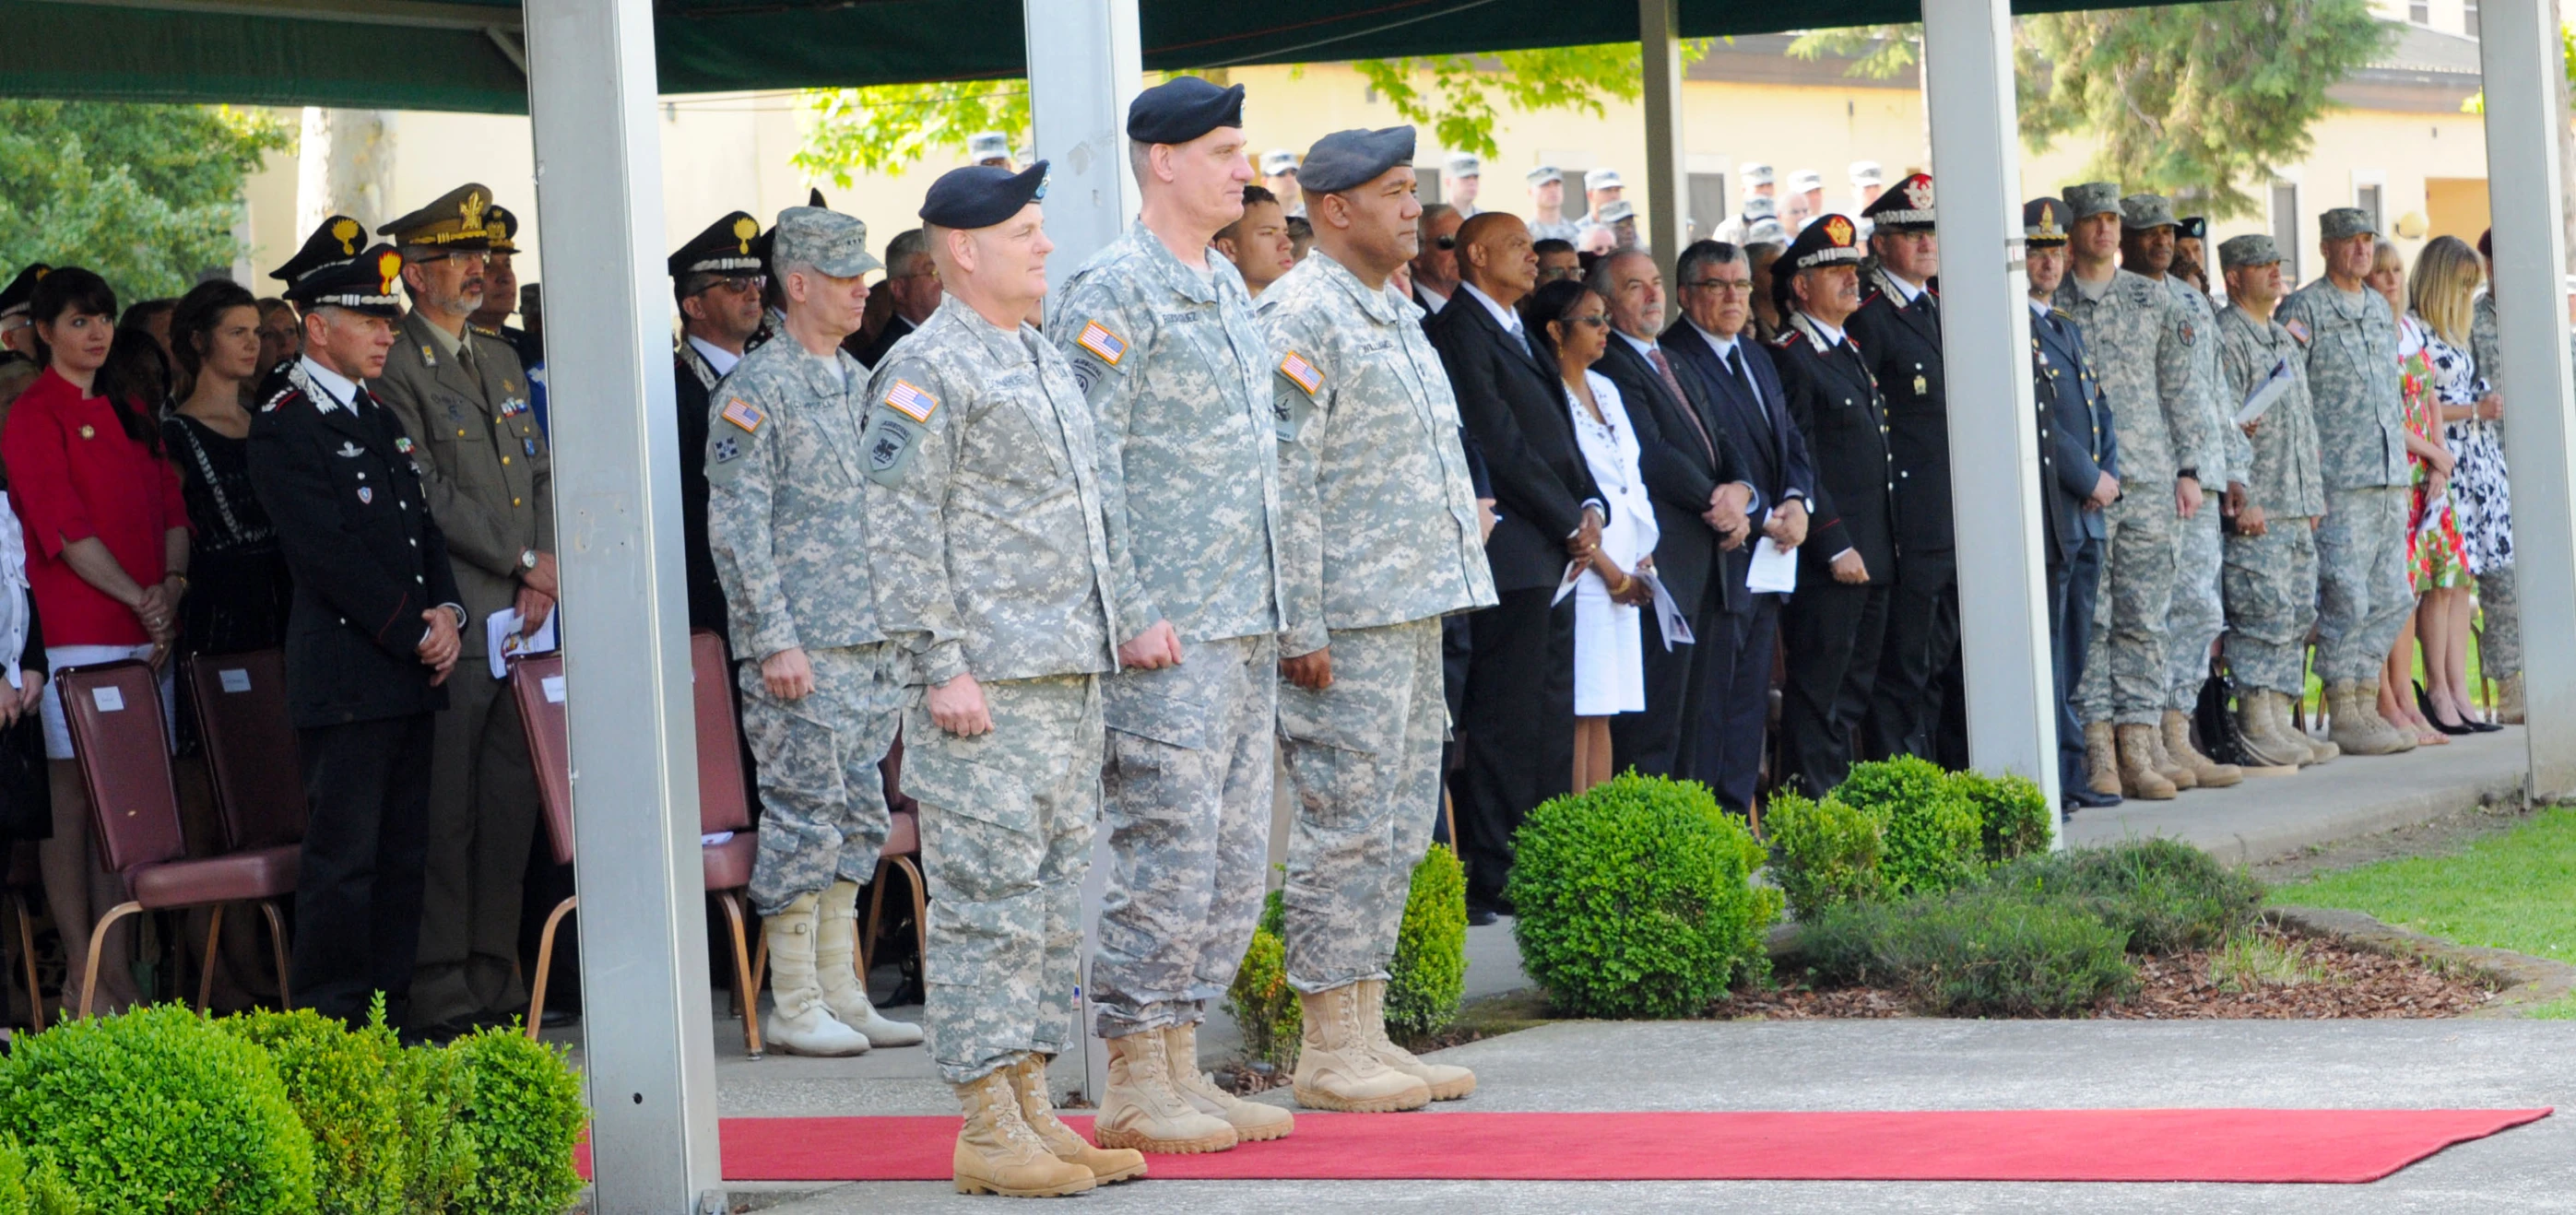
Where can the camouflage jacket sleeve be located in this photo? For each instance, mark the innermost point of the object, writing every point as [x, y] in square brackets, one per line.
[1111, 391]
[2178, 387]
[907, 496]
[1303, 410]
[744, 463]
[2482, 342]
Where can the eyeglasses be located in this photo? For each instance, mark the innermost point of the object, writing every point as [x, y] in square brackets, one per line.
[1595, 320]
[474, 257]
[1733, 286]
[1444, 242]
[738, 283]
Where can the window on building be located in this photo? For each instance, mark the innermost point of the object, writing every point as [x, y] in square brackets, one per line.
[2469, 18]
[1426, 185]
[2367, 198]
[2419, 12]
[2285, 226]
[1707, 203]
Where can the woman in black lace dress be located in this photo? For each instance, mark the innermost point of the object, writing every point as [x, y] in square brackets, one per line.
[239, 589]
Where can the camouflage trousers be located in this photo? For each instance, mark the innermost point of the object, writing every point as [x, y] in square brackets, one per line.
[2363, 589]
[822, 800]
[2125, 678]
[1186, 795]
[1364, 760]
[2271, 605]
[2500, 625]
[2197, 617]
[1006, 821]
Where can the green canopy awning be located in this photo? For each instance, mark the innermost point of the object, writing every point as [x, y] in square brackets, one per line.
[469, 54]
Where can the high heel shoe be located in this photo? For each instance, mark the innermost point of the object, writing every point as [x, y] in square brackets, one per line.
[2433, 715]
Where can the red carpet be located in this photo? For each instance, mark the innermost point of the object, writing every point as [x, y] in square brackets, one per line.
[2001, 1145]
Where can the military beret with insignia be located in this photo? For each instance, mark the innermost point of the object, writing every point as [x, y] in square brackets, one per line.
[456, 221]
[2192, 227]
[1903, 207]
[2044, 221]
[829, 241]
[15, 297]
[731, 245]
[2093, 198]
[2140, 212]
[1355, 157]
[333, 269]
[980, 196]
[1182, 109]
[2250, 249]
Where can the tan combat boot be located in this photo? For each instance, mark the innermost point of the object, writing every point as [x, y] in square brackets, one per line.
[997, 1153]
[1037, 1111]
[2272, 753]
[2508, 700]
[801, 1024]
[836, 955]
[1252, 1121]
[2101, 759]
[2357, 728]
[2166, 765]
[2210, 773]
[1336, 1070]
[2138, 776]
[2319, 750]
[1447, 1081]
[1143, 1110]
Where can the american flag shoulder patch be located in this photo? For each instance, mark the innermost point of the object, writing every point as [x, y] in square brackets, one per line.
[910, 401]
[1296, 368]
[744, 414]
[1097, 339]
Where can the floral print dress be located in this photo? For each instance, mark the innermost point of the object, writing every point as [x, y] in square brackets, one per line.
[2436, 555]
[2478, 492]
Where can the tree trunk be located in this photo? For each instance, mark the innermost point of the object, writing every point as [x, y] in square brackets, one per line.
[345, 166]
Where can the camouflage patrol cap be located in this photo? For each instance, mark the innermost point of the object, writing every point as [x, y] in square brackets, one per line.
[2092, 198]
[2139, 212]
[2344, 222]
[2251, 249]
[829, 241]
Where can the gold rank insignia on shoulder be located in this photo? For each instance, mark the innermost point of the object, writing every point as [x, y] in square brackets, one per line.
[1303, 373]
[428, 355]
[1097, 339]
[909, 400]
[744, 414]
[1922, 387]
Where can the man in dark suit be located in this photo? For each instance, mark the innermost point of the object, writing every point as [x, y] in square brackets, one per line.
[374, 626]
[1518, 718]
[1716, 338]
[1701, 494]
[1898, 332]
[912, 283]
[2080, 479]
[1835, 627]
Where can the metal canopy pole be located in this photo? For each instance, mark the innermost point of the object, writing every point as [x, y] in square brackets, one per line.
[1093, 64]
[1659, 45]
[649, 1040]
[2520, 54]
[1985, 352]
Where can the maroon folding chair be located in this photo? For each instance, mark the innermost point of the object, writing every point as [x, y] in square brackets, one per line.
[251, 752]
[122, 750]
[903, 844]
[25, 876]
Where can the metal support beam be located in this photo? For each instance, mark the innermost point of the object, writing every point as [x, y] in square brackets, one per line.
[649, 1043]
[2520, 53]
[415, 14]
[1985, 352]
[1093, 64]
[1667, 180]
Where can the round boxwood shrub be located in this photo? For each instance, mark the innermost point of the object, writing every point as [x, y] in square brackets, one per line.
[157, 1111]
[2012, 814]
[1822, 853]
[1634, 899]
[1935, 842]
[1429, 974]
[522, 1114]
[33, 1188]
[343, 1086]
[1262, 1004]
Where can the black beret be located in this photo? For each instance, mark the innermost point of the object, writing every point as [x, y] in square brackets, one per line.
[332, 268]
[980, 196]
[731, 245]
[2192, 227]
[1182, 109]
[1350, 158]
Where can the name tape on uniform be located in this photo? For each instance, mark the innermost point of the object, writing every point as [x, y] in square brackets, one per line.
[911, 401]
[744, 414]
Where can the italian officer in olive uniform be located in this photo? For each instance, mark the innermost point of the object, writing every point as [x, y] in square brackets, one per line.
[373, 631]
[463, 397]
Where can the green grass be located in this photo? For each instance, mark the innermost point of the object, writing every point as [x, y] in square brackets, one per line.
[2251, 960]
[2508, 891]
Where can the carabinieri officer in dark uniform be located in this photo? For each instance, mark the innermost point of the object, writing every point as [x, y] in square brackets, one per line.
[1838, 617]
[717, 278]
[373, 632]
[1898, 330]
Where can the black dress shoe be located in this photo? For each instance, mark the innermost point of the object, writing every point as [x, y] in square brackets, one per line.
[2424, 703]
[559, 1018]
[1478, 917]
[2082, 797]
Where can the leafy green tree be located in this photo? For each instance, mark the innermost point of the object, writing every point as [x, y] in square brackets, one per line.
[147, 195]
[883, 128]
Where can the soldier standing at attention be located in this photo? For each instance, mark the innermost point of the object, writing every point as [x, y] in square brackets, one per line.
[717, 278]
[2364, 591]
[2272, 555]
[2134, 339]
[996, 576]
[463, 398]
[1383, 540]
[2147, 244]
[785, 515]
[1160, 333]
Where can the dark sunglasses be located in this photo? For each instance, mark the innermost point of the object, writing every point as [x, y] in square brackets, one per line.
[1444, 242]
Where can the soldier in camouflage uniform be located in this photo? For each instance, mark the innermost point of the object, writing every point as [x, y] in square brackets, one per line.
[996, 574]
[1382, 542]
[784, 512]
[2272, 556]
[2133, 329]
[2147, 240]
[2350, 341]
[1161, 336]
[2500, 638]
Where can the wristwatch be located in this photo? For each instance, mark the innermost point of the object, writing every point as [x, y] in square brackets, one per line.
[527, 558]
[2179, 473]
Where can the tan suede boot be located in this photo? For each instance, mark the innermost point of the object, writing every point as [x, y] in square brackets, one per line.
[836, 955]
[1252, 1121]
[1447, 1081]
[2167, 766]
[2272, 753]
[1037, 1109]
[997, 1153]
[800, 1024]
[2357, 727]
[1336, 1070]
[2319, 750]
[2101, 759]
[2209, 772]
[2138, 776]
[2508, 700]
[1142, 1110]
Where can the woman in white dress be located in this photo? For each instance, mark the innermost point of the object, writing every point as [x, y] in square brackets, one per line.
[1573, 325]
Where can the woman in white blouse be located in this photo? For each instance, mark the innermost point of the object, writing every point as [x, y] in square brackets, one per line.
[1573, 325]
